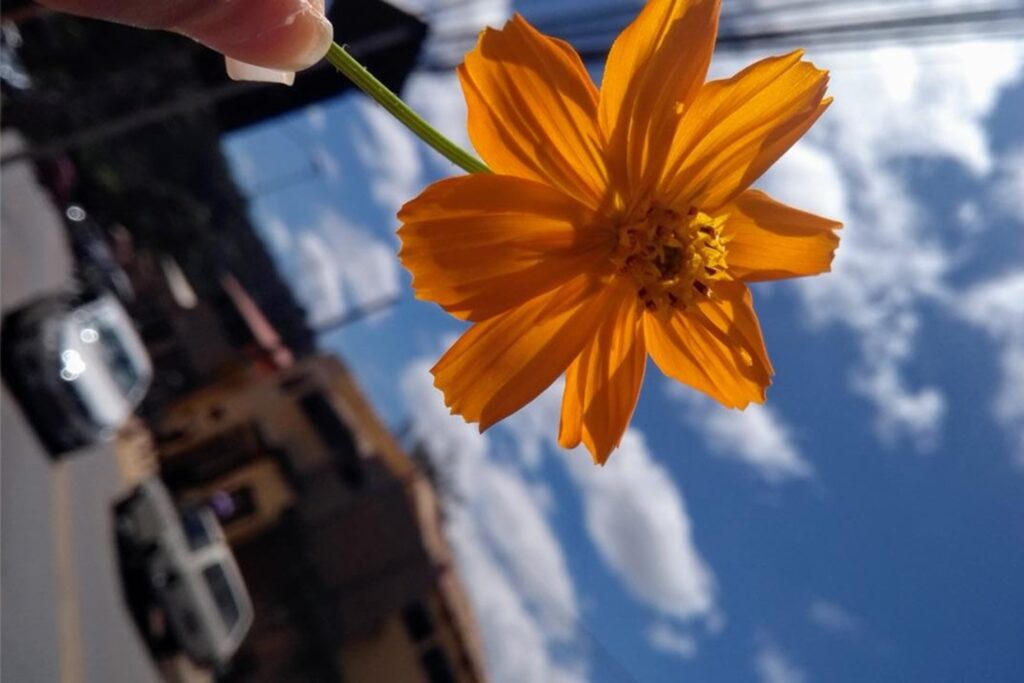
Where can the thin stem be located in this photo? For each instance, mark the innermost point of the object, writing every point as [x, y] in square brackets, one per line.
[365, 81]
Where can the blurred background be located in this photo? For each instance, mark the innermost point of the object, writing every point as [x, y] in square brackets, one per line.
[223, 457]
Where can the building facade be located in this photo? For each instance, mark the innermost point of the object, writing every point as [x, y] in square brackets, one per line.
[337, 532]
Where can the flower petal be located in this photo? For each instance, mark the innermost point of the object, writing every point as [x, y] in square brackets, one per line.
[602, 385]
[533, 110]
[768, 240]
[716, 348]
[501, 364]
[659, 62]
[737, 128]
[481, 244]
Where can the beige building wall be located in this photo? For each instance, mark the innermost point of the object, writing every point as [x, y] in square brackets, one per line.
[272, 402]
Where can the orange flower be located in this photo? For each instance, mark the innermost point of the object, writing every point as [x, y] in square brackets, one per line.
[616, 223]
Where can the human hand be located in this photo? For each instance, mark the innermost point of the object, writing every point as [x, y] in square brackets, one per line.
[280, 36]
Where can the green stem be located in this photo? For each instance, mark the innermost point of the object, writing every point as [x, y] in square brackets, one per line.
[365, 81]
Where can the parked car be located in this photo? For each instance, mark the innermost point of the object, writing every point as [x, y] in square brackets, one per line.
[191, 572]
[76, 365]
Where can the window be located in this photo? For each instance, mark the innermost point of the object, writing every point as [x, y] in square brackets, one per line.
[435, 662]
[417, 621]
[336, 435]
[119, 362]
[232, 505]
[196, 531]
[223, 596]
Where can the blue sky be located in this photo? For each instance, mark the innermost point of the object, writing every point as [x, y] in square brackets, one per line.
[866, 524]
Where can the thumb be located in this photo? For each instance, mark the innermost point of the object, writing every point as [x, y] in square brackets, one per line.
[276, 34]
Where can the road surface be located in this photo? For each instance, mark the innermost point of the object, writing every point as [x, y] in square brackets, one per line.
[64, 618]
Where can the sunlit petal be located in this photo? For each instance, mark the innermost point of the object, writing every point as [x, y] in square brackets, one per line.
[603, 383]
[482, 244]
[533, 110]
[717, 349]
[503, 363]
[656, 65]
[769, 240]
[737, 128]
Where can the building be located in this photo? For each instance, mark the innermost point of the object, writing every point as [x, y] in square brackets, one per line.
[337, 532]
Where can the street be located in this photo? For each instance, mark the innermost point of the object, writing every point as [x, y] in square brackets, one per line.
[64, 618]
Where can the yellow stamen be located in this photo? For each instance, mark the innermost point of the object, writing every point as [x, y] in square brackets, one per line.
[673, 258]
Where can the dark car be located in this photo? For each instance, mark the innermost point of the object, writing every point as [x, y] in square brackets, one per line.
[77, 366]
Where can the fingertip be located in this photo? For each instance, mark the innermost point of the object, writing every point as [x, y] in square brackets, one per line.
[282, 35]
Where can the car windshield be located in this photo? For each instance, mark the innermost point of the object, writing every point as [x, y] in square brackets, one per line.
[220, 589]
[113, 352]
[196, 530]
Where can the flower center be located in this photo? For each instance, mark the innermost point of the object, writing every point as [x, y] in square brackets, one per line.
[671, 257]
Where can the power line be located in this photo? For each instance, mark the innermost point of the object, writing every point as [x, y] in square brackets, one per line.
[867, 32]
[354, 315]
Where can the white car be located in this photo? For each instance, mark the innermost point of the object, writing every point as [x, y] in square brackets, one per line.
[77, 366]
[191, 571]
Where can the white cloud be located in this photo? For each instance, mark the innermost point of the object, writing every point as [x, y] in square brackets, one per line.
[663, 637]
[633, 511]
[436, 95]
[515, 644]
[924, 101]
[454, 27]
[756, 436]
[833, 617]
[522, 537]
[339, 266]
[1008, 184]
[917, 414]
[884, 268]
[996, 306]
[386, 147]
[636, 516]
[318, 282]
[391, 155]
[891, 105]
[773, 666]
[438, 98]
[509, 557]
[969, 218]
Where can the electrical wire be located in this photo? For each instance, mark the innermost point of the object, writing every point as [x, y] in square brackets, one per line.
[870, 31]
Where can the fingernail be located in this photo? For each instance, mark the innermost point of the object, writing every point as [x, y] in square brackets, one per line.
[319, 39]
[240, 71]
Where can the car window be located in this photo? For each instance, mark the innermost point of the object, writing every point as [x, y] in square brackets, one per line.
[196, 530]
[116, 357]
[223, 597]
